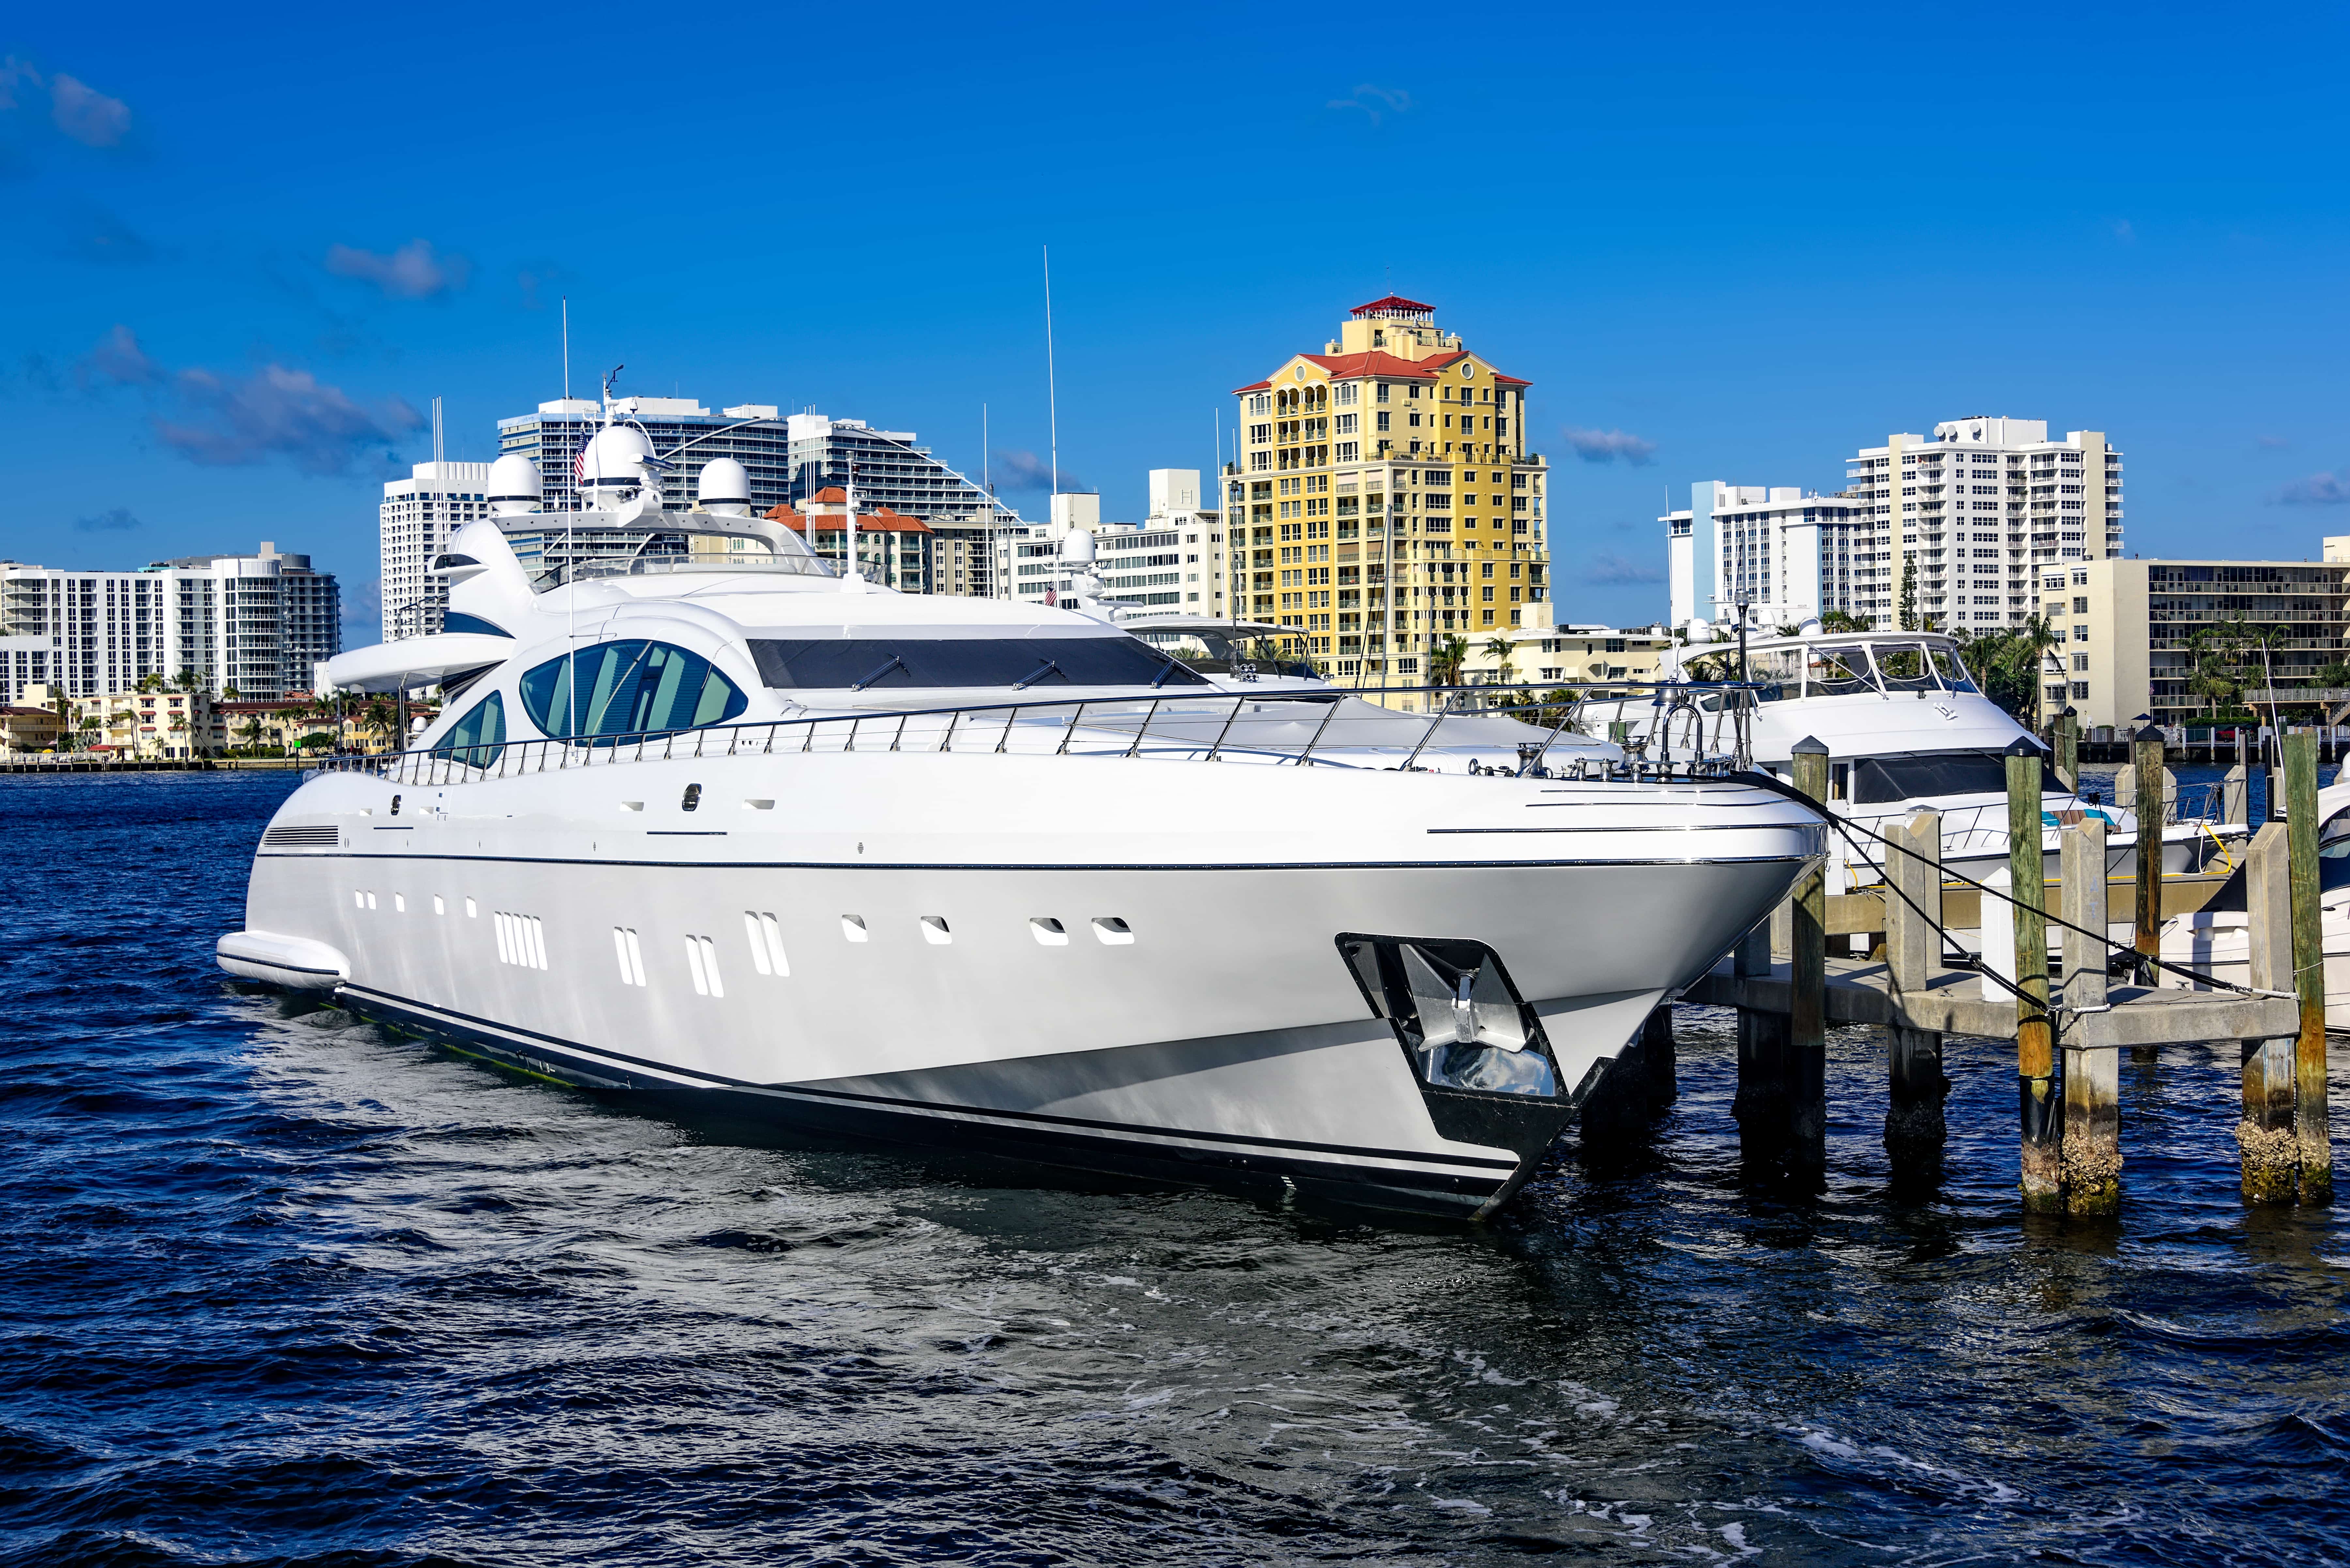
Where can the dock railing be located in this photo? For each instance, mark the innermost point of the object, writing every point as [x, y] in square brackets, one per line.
[1451, 728]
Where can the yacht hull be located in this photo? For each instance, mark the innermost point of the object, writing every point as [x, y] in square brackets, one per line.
[1184, 1012]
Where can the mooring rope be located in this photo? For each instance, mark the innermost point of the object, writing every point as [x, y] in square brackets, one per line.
[1848, 828]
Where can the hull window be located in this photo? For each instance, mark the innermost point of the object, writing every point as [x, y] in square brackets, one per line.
[630, 956]
[1112, 931]
[701, 959]
[632, 688]
[1049, 930]
[935, 931]
[767, 939]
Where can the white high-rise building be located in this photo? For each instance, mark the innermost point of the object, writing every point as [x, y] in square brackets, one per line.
[1171, 560]
[259, 623]
[1969, 519]
[1785, 554]
[418, 514]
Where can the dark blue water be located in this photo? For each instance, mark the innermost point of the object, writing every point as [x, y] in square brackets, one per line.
[278, 1288]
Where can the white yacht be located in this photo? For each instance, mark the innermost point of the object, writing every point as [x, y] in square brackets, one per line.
[1906, 727]
[729, 829]
[2216, 939]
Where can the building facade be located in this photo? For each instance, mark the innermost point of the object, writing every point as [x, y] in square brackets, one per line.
[2137, 634]
[259, 623]
[1570, 656]
[1174, 559]
[1785, 554]
[1965, 524]
[151, 725]
[894, 551]
[1385, 498]
[412, 527]
[682, 431]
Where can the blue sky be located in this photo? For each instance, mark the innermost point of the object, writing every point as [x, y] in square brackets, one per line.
[244, 249]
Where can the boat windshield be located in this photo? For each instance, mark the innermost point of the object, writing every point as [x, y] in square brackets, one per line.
[1838, 672]
[1903, 665]
[1953, 672]
[1215, 651]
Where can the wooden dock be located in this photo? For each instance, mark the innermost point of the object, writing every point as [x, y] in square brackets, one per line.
[2069, 1029]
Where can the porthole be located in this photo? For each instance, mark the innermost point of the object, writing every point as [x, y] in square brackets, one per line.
[935, 931]
[1112, 931]
[853, 928]
[1049, 930]
[692, 801]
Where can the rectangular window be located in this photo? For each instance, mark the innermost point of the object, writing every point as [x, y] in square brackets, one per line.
[629, 955]
[702, 958]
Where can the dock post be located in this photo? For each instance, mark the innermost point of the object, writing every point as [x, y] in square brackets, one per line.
[2146, 748]
[1761, 1105]
[2068, 750]
[1657, 1041]
[1807, 991]
[2091, 1145]
[2266, 1138]
[2035, 1056]
[2235, 798]
[1915, 1129]
[2314, 1139]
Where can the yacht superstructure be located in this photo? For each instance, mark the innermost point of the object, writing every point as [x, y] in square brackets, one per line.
[1906, 727]
[736, 831]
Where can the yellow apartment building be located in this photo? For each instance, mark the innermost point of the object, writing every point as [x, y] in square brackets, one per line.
[1384, 498]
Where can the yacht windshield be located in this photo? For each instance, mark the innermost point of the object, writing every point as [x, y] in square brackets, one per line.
[1027, 663]
[1903, 665]
[1839, 672]
[1953, 672]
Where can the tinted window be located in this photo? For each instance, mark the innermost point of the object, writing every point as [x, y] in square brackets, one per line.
[1878, 779]
[476, 740]
[838, 663]
[627, 689]
[458, 620]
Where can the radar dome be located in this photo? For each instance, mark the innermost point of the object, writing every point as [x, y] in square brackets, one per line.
[724, 488]
[616, 458]
[514, 485]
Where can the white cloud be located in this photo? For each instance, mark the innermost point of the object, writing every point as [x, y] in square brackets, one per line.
[414, 271]
[1606, 446]
[87, 115]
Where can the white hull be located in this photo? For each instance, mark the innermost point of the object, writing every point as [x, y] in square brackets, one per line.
[1226, 1039]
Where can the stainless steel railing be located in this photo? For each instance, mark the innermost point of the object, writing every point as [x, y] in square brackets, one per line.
[1298, 728]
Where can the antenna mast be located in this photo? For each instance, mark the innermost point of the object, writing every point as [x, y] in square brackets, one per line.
[436, 432]
[1052, 395]
[567, 347]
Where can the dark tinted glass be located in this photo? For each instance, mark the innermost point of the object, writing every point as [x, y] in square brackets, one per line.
[1041, 664]
[458, 620]
[629, 688]
[1878, 779]
[476, 739]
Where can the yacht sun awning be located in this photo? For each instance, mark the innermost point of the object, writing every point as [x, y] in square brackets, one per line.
[417, 660]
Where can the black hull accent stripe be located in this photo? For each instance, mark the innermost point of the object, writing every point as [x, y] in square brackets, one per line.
[931, 1108]
[1322, 865]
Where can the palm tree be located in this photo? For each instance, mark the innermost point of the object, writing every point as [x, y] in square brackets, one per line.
[1445, 660]
[1497, 649]
[1837, 620]
[2037, 637]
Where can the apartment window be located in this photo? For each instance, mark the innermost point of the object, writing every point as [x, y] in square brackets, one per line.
[1383, 397]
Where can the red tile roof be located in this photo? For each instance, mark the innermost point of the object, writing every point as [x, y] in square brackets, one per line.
[1376, 362]
[881, 521]
[1392, 302]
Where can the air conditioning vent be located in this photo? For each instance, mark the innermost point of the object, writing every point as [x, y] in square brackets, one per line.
[320, 835]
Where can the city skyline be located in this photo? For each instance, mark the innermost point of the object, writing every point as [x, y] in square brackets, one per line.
[1706, 266]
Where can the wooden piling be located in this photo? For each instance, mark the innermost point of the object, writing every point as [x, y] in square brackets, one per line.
[1761, 1105]
[2316, 1150]
[2147, 749]
[1807, 1024]
[1657, 1042]
[1915, 1126]
[2068, 750]
[2266, 1138]
[2035, 1057]
[2090, 1148]
[2235, 797]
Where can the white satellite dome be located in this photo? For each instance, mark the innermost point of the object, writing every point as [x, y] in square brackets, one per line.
[515, 485]
[617, 457]
[724, 487]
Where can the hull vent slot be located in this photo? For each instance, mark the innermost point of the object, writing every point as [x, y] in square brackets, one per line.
[300, 835]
